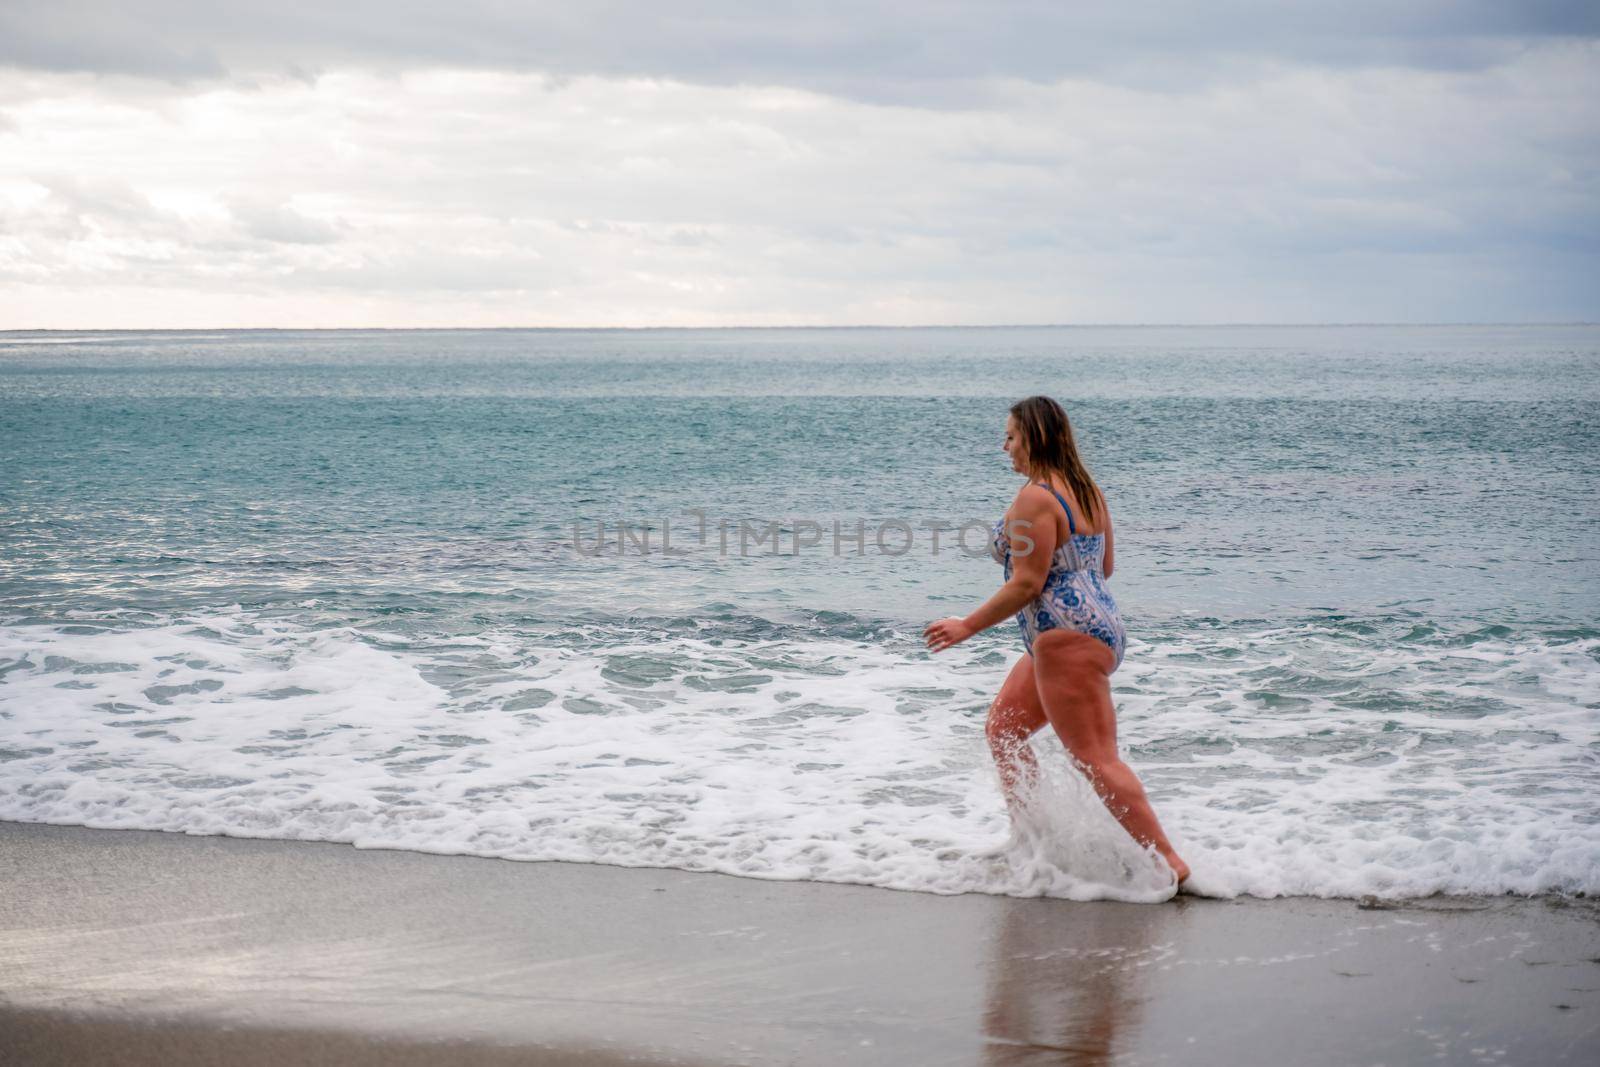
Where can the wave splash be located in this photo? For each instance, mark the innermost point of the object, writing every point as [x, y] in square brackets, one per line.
[1319, 758]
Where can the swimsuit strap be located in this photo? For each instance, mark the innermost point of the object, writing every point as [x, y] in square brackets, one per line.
[1070, 524]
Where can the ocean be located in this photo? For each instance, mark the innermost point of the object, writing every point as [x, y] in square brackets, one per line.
[655, 598]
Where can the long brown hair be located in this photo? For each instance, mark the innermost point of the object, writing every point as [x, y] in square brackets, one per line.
[1047, 438]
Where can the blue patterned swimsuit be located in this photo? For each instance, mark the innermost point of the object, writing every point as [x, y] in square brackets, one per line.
[1075, 596]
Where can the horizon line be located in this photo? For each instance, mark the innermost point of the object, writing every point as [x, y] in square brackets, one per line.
[844, 326]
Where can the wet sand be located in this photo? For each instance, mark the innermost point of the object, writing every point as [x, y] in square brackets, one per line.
[143, 948]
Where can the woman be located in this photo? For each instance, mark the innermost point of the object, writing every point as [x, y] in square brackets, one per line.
[1056, 545]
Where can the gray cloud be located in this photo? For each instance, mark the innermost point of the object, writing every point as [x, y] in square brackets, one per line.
[94, 197]
[487, 164]
[281, 223]
[923, 51]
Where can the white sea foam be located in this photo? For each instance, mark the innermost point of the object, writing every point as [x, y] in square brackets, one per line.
[1281, 761]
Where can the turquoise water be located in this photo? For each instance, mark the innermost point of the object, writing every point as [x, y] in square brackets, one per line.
[342, 585]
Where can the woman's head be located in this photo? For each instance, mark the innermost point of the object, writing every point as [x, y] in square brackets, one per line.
[1040, 443]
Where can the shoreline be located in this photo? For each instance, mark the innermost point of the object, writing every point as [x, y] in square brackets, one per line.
[192, 949]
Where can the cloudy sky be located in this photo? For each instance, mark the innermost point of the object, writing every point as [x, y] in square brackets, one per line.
[483, 163]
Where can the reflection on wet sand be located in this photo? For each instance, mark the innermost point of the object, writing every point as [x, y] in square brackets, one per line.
[1066, 982]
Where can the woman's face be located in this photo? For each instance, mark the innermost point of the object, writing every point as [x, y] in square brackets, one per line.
[1014, 448]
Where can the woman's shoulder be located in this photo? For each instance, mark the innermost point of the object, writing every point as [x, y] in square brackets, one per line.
[1037, 496]
[1101, 521]
[1032, 497]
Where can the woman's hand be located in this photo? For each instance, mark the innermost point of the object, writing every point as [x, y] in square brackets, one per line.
[946, 632]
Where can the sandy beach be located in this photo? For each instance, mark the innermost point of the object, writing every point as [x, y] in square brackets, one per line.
[143, 947]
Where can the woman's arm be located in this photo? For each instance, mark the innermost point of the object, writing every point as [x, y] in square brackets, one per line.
[1006, 602]
[1032, 529]
[1111, 548]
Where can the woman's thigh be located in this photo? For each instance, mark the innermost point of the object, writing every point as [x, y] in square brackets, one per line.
[1017, 711]
[1072, 672]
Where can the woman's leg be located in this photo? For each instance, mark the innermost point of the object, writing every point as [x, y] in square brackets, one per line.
[1073, 672]
[1015, 716]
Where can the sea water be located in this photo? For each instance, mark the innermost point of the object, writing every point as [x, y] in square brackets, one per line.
[409, 590]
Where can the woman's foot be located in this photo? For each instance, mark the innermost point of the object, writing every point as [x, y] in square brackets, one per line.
[1179, 868]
